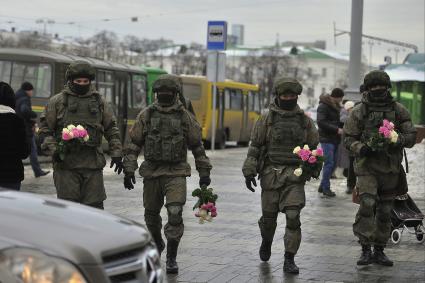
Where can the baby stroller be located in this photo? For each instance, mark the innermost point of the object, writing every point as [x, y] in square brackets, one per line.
[406, 216]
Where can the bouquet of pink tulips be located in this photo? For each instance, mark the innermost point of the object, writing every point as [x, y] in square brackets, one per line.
[205, 204]
[384, 136]
[72, 138]
[312, 161]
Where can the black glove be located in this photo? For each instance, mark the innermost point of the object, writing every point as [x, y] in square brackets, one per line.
[249, 181]
[129, 181]
[365, 151]
[204, 181]
[117, 161]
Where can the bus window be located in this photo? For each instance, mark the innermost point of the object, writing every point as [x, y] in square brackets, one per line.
[40, 75]
[105, 85]
[5, 69]
[256, 98]
[226, 99]
[192, 92]
[251, 98]
[236, 99]
[139, 91]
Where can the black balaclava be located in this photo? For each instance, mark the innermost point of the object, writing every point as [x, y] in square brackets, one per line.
[287, 104]
[379, 95]
[166, 98]
[77, 88]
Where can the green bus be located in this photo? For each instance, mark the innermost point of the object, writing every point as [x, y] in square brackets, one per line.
[123, 86]
[153, 74]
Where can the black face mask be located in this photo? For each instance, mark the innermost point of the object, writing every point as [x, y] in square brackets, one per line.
[287, 104]
[79, 89]
[379, 94]
[165, 99]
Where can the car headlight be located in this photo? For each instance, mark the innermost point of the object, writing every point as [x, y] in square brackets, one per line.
[32, 266]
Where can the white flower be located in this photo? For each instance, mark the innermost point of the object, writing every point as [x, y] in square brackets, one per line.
[298, 172]
[306, 147]
[86, 138]
[65, 130]
[70, 127]
[296, 150]
[393, 136]
[79, 127]
[314, 152]
[203, 213]
[208, 218]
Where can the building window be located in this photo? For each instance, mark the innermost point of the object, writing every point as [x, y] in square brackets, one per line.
[323, 72]
[309, 72]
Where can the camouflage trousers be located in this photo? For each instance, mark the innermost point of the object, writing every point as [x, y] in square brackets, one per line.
[373, 224]
[80, 185]
[282, 191]
[173, 189]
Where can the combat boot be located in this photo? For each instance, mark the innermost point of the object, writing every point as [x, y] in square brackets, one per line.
[265, 250]
[289, 265]
[380, 258]
[171, 264]
[366, 256]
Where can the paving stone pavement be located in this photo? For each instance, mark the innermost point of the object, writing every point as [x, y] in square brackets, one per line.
[226, 250]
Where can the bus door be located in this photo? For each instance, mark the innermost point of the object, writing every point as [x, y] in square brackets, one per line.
[122, 81]
[233, 113]
[245, 129]
[220, 107]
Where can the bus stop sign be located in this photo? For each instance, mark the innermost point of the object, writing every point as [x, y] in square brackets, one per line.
[217, 35]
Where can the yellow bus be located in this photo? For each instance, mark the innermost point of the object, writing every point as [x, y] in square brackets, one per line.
[238, 107]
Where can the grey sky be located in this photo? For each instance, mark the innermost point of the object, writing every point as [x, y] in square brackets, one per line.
[185, 21]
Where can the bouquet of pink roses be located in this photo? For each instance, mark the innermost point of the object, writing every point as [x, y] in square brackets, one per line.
[205, 204]
[312, 161]
[72, 138]
[383, 137]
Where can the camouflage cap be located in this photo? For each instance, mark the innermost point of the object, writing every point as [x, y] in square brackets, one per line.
[80, 69]
[167, 82]
[375, 78]
[286, 86]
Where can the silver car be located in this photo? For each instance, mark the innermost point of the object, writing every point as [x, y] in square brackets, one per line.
[48, 240]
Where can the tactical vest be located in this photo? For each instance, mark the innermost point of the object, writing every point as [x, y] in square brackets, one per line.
[287, 131]
[85, 111]
[165, 138]
[373, 115]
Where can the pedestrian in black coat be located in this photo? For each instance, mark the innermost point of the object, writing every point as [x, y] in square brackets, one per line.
[13, 141]
[330, 131]
[24, 110]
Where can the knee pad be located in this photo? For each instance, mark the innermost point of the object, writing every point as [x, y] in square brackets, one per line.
[293, 219]
[175, 214]
[367, 204]
[152, 217]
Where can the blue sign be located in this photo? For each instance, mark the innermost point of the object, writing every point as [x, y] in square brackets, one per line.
[217, 35]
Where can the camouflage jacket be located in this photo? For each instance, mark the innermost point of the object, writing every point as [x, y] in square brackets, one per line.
[256, 161]
[51, 124]
[192, 134]
[354, 131]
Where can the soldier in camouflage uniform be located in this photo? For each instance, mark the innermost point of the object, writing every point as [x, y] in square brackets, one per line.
[270, 155]
[377, 172]
[165, 130]
[79, 177]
